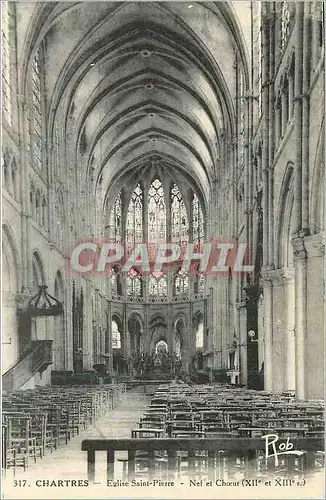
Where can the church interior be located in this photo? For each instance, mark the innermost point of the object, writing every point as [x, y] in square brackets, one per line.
[150, 123]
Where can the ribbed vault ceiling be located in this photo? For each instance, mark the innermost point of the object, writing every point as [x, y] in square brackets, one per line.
[143, 82]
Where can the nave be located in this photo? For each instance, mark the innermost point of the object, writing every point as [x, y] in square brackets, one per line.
[148, 124]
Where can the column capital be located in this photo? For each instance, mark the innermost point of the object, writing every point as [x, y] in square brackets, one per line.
[279, 276]
[287, 273]
[274, 276]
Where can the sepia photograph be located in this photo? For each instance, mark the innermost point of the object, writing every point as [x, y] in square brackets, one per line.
[163, 250]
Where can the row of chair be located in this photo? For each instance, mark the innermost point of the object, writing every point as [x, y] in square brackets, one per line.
[180, 411]
[200, 412]
[38, 421]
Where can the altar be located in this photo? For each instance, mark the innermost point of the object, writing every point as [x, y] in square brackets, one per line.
[160, 364]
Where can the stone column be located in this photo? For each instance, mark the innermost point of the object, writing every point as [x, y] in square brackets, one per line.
[270, 137]
[266, 125]
[268, 320]
[125, 332]
[170, 327]
[315, 315]
[305, 118]
[242, 329]
[27, 277]
[103, 327]
[109, 350]
[225, 331]
[298, 118]
[88, 326]
[145, 233]
[261, 331]
[288, 275]
[232, 160]
[68, 342]
[279, 329]
[191, 335]
[300, 264]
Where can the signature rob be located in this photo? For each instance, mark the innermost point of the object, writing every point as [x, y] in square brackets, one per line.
[271, 450]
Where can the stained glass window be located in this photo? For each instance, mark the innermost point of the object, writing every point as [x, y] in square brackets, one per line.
[179, 218]
[115, 220]
[197, 222]
[285, 23]
[199, 283]
[156, 214]
[181, 282]
[116, 337]
[134, 229]
[6, 62]
[115, 278]
[157, 285]
[155, 206]
[200, 336]
[134, 284]
[37, 110]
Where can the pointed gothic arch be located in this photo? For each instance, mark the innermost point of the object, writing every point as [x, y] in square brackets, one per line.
[317, 193]
[38, 276]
